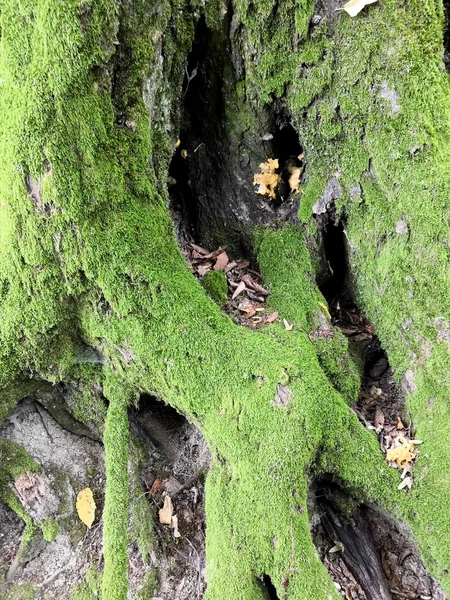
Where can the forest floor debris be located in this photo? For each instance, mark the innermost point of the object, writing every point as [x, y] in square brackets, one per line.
[380, 407]
[246, 303]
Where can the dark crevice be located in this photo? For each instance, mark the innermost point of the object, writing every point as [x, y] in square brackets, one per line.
[368, 554]
[222, 141]
[175, 460]
[269, 589]
[335, 252]
[446, 39]
[338, 289]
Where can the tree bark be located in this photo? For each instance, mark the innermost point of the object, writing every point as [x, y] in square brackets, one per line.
[93, 99]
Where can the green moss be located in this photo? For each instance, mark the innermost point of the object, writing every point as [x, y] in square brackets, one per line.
[140, 526]
[148, 588]
[90, 588]
[99, 260]
[216, 286]
[115, 514]
[15, 461]
[50, 530]
[25, 591]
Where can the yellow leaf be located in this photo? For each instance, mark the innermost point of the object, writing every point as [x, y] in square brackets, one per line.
[355, 6]
[268, 179]
[86, 507]
[325, 308]
[166, 512]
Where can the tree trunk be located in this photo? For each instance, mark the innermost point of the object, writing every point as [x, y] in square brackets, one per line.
[97, 299]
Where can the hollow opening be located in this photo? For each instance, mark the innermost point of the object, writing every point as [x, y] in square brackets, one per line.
[335, 250]
[223, 139]
[176, 461]
[446, 34]
[269, 589]
[368, 555]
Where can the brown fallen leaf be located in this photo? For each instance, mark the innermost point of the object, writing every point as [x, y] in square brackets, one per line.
[166, 512]
[253, 285]
[354, 7]
[400, 424]
[199, 249]
[272, 317]
[203, 269]
[240, 288]
[156, 485]
[268, 179]
[249, 310]
[221, 262]
[378, 420]
[288, 326]
[230, 266]
[215, 253]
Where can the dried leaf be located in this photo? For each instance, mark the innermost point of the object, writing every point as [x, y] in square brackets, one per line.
[406, 483]
[86, 506]
[230, 266]
[288, 326]
[250, 311]
[176, 533]
[178, 143]
[240, 288]
[199, 249]
[272, 317]
[203, 269]
[339, 547]
[400, 424]
[268, 179]
[156, 485]
[184, 153]
[355, 6]
[30, 487]
[166, 512]
[221, 262]
[378, 420]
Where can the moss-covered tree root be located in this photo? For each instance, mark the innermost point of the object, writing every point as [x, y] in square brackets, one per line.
[88, 258]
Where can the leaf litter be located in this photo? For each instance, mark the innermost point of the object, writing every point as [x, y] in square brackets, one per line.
[380, 406]
[247, 297]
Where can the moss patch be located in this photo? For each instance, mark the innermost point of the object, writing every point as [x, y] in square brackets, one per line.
[216, 286]
[50, 530]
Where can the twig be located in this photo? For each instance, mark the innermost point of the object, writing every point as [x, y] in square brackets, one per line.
[190, 77]
[38, 408]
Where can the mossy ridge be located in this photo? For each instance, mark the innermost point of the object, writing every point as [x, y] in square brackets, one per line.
[378, 117]
[216, 286]
[224, 378]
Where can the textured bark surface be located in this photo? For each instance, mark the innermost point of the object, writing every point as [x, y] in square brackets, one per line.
[97, 300]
